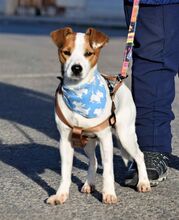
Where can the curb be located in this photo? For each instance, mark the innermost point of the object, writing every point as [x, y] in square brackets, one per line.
[81, 21]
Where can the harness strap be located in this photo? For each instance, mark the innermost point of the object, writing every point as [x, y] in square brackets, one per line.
[113, 83]
[59, 112]
[78, 133]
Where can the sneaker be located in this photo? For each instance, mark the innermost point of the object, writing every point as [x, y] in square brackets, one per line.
[156, 164]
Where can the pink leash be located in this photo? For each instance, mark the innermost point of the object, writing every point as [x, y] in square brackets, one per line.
[130, 41]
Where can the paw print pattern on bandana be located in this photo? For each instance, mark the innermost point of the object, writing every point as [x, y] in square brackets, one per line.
[88, 100]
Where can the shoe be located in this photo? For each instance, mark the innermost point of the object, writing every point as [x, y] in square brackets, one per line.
[156, 165]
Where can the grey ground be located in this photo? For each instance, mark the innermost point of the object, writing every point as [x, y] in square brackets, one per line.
[29, 157]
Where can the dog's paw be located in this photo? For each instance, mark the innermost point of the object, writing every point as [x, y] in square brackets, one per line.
[57, 199]
[87, 188]
[143, 186]
[109, 198]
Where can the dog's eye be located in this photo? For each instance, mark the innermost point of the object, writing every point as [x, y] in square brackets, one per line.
[88, 54]
[67, 53]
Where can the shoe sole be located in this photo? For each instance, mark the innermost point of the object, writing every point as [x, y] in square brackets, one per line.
[154, 183]
[133, 182]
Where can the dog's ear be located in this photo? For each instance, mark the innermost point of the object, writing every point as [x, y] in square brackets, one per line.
[60, 35]
[97, 39]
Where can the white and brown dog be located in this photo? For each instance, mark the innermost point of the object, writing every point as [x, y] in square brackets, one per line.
[78, 55]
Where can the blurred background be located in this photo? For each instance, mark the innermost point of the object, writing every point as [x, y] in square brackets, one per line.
[76, 9]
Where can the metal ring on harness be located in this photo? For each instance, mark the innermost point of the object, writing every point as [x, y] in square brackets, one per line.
[112, 120]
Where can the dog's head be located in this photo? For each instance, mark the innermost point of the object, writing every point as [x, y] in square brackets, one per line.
[78, 52]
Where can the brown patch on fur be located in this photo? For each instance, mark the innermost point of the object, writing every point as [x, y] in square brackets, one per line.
[65, 41]
[93, 59]
[94, 37]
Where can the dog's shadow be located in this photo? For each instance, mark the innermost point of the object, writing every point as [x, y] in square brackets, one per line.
[33, 159]
[21, 106]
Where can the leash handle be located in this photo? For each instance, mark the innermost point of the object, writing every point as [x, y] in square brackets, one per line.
[130, 41]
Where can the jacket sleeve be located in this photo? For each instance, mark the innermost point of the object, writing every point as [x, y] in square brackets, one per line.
[157, 2]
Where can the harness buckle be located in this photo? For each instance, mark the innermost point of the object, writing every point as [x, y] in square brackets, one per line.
[78, 139]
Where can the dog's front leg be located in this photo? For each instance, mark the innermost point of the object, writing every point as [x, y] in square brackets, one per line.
[106, 147]
[66, 152]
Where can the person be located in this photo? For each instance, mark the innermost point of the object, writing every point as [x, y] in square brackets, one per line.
[155, 65]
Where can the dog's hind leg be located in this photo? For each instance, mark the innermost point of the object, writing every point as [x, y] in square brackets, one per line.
[89, 185]
[128, 140]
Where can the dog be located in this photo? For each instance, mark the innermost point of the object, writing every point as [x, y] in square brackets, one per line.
[78, 54]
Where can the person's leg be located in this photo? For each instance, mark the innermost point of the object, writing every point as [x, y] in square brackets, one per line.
[155, 64]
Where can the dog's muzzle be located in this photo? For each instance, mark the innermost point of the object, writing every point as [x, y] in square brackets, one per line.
[76, 69]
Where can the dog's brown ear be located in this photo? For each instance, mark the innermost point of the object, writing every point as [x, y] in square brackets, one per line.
[97, 39]
[59, 36]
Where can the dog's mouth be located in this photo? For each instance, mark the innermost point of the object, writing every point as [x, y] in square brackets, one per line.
[76, 77]
[73, 78]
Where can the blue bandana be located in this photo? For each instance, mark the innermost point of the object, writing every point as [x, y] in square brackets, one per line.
[89, 99]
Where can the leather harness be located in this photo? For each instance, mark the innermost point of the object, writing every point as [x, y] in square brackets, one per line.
[79, 135]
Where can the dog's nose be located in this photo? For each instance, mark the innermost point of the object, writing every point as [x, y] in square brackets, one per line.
[76, 69]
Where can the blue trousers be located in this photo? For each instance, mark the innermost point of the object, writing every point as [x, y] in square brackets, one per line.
[155, 65]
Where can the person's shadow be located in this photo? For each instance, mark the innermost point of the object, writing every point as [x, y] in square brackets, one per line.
[36, 110]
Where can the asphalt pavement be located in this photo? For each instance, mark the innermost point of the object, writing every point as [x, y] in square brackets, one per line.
[29, 155]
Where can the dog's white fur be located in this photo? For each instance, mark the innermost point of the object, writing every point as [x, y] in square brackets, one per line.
[125, 131]
[77, 57]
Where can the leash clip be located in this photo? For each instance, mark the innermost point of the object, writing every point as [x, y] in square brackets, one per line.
[120, 78]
